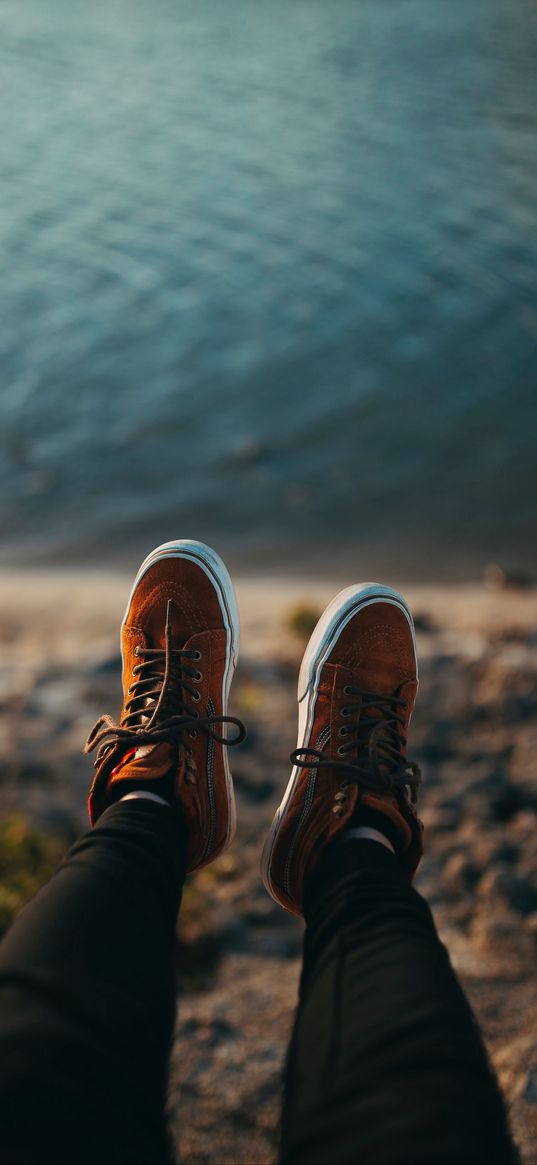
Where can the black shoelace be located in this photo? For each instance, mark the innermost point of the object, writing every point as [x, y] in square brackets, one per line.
[158, 708]
[373, 753]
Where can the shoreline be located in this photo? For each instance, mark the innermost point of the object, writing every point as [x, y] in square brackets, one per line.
[326, 558]
[49, 599]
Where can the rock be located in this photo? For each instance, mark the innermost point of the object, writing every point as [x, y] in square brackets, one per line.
[522, 893]
[424, 623]
[460, 874]
[489, 851]
[493, 931]
[35, 770]
[518, 891]
[437, 818]
[524, 824]
[499, 578]
[254, 790]
[508, 801]
[531, 923]
[107, 665]
[530, 1088]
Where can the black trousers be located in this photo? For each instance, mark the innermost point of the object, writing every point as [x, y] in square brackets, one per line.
[386, 1063]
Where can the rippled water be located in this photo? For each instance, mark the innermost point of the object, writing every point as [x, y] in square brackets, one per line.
[269, 278]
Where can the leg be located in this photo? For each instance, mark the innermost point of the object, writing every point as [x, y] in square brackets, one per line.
[88, 997]
[386, 1063]
[86, 973]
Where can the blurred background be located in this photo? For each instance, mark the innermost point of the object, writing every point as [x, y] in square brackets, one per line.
[269, 280]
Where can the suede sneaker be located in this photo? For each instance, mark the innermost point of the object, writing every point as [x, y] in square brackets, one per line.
[356, 692]
[179, 647]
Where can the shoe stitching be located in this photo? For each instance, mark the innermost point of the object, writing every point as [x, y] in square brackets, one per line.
[193, 615]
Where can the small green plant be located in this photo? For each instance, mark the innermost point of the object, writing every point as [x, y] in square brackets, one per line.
[301, 620]
[250, 698]
[198, 915]
[27, 859]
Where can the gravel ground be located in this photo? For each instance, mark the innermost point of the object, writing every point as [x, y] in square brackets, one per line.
[475, 735]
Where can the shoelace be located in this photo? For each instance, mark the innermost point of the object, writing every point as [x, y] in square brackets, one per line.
[158, 708]
[375, 742]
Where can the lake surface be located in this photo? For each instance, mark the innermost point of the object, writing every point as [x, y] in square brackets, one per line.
[269, 279]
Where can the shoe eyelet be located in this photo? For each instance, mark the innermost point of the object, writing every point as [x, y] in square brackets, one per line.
[193, 735]
[196, 696]
[343, 730]
[341, 750]
[196, 655]
[344, 711]
[198, 677]
[347, 690]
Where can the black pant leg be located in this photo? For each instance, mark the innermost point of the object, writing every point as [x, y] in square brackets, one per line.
[87, 997]
[386, 1064]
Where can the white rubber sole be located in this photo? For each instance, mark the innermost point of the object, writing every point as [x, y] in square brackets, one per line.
[211, 563]
[325, 635]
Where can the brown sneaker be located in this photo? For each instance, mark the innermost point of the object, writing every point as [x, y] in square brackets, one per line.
[356, 692]
[179, 646]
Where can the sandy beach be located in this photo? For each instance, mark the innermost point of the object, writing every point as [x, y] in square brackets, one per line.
[475, 735]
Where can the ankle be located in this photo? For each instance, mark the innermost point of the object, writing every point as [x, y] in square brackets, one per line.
[145, 795]
[159, 789]
[357, 832]
[340, 863]
[365, 817]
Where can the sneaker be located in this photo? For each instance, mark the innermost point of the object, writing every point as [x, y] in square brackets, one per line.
[356, 692]
[179, 647]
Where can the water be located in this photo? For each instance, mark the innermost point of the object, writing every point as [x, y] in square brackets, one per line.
[269, 279]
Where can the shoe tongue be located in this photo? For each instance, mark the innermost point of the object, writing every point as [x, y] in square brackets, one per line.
[370, 718]
[155, 626]
[146, 762]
